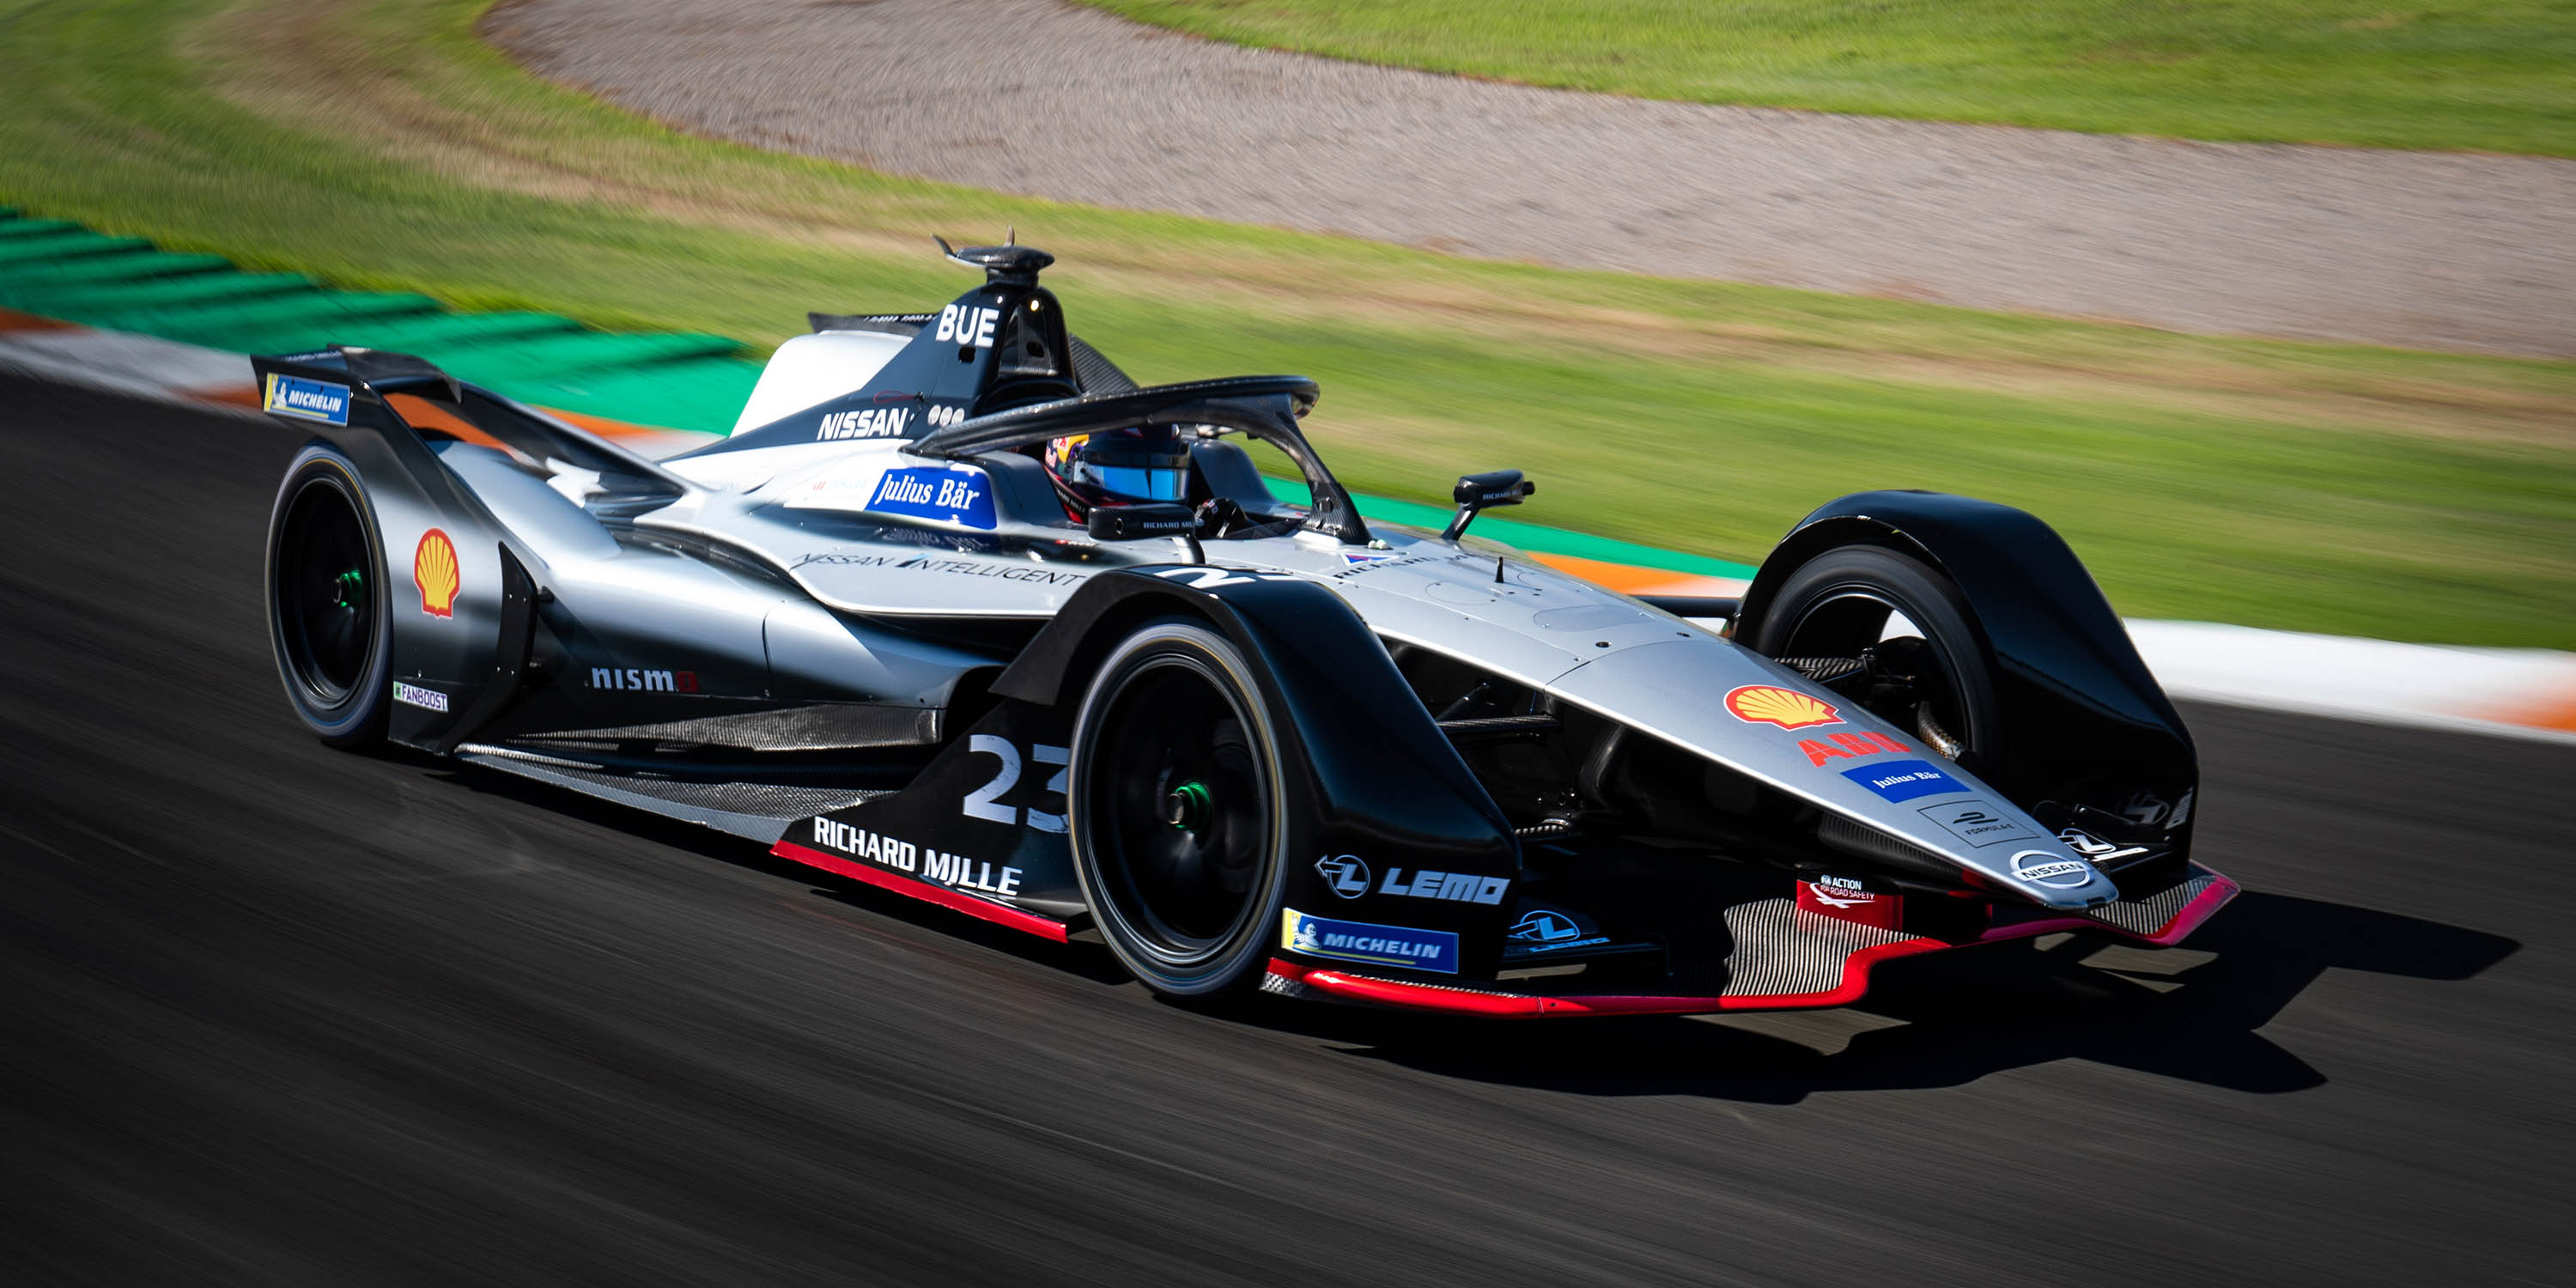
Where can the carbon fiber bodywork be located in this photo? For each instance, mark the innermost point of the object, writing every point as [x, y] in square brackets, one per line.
[861, 629]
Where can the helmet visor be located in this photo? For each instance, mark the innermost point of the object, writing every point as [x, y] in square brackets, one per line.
[1139, 482]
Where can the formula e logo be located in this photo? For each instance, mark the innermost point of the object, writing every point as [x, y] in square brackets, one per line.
[609, 677]
[1978, 822]
[1345, 873]
[2046, 868]
[959, 324]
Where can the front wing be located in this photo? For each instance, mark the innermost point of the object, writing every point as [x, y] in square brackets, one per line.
[1786, 957]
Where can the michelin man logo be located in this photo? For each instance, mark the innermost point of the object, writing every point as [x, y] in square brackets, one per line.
[1306, 940]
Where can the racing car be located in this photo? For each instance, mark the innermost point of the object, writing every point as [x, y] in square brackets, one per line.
[960, 611]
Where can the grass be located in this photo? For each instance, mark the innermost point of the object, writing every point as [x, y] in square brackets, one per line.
[2493, 76]
[380, 144]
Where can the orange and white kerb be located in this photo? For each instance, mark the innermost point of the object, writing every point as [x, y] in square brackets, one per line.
[433, 569]
[1787, 708]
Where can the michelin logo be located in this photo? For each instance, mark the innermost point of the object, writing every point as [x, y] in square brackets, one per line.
[308, 399]
[1359, 941]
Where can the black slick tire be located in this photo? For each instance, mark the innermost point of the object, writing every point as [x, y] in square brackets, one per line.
[1177, 811]
[1839, 601]
[328, 605]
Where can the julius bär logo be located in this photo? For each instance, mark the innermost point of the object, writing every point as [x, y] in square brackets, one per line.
[433, 568]
[1787, 708]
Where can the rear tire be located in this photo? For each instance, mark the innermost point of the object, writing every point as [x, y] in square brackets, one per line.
[1849, 598]
[328, 603]
[1178, 816]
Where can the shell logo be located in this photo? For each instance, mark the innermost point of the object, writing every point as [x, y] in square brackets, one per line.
[433, 568]
[1787, 708]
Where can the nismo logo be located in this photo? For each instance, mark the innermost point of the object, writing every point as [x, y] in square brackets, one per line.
[610, 677]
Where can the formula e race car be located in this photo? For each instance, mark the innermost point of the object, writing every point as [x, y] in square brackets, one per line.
[960, 611]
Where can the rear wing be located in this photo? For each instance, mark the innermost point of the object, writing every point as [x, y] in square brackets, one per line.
[398, 394]
[473, 640]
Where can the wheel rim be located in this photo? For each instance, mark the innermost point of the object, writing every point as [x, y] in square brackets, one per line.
[326, 601]
[1179, 810]
[1847, 621]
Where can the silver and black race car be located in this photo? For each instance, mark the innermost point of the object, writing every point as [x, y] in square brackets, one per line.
[960, 611]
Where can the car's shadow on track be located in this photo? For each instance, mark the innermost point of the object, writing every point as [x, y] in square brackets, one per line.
[2190, 1013]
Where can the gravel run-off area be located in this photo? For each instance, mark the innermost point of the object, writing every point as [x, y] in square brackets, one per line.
[1037, 97]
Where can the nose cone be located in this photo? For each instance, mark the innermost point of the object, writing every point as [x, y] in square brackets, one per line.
[1709, 696]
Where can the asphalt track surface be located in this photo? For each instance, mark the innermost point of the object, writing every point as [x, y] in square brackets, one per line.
[274, 1014]
[1041, 97]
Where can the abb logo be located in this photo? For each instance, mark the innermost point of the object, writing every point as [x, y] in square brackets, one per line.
[1849, 746]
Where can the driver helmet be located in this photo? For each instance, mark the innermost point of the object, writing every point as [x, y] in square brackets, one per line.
[1147, 463]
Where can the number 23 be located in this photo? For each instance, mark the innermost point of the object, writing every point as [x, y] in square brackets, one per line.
[985, 802]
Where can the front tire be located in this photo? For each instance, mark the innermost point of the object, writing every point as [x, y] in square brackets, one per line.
[327, 600]
[1928, 669]
[1178, 816]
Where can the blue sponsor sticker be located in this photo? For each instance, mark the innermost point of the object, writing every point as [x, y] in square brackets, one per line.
[950, 494]
[310, 399]
[1359, 941]
[1903, 780]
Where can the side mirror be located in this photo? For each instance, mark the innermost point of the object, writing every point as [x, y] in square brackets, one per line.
[1144, 522]
[1476, 493]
